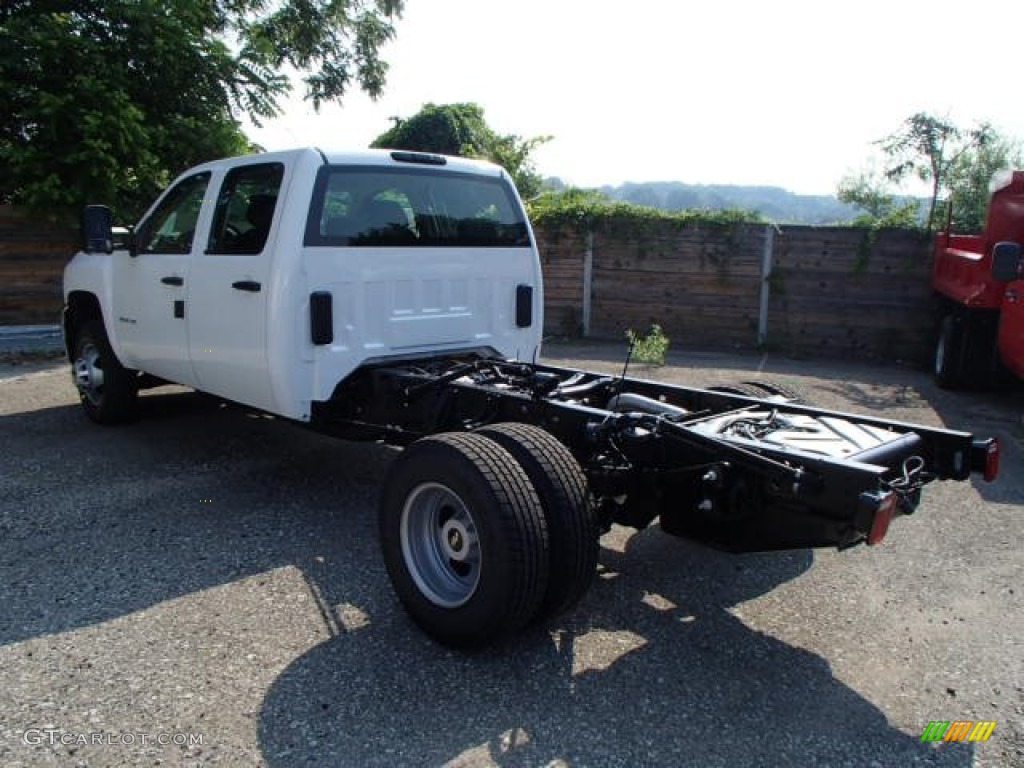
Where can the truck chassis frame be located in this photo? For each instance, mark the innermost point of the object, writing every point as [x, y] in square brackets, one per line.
[490, 518]
[647, 449]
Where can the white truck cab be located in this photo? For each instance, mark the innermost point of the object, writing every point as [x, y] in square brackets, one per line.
[268, 279]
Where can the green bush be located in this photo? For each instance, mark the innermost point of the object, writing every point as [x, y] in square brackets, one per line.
[590, 210]
[650, 348]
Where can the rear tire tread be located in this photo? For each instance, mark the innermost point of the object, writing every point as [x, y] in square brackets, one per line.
[778, 389]
[573, 526]
[948, 369]
[739, 388]
[512, 527]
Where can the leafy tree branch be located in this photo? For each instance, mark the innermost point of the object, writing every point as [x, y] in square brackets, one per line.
[927, 147]
[106, 101]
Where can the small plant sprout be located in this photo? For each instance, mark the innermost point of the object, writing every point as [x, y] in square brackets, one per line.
[650, 348]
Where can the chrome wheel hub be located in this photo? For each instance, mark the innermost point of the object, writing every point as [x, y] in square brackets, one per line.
[440, 545]
[88, 374]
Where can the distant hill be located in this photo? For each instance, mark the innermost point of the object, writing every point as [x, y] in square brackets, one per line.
[774, 203]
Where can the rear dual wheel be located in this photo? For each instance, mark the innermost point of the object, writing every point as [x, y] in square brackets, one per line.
[483, 533]
[572, 521]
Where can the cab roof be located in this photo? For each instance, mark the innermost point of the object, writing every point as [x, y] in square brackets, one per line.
[365, 157]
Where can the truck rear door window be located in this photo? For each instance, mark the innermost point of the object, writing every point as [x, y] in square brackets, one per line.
[384, 207]
[245, 209]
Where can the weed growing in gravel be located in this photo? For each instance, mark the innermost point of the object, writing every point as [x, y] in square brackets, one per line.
[650, 348]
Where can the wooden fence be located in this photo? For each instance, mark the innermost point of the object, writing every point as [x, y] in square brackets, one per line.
[828, 291]
[32, 259]
[842, 292]
[825, 291]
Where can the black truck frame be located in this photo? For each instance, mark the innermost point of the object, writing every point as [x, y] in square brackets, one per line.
[490, 518]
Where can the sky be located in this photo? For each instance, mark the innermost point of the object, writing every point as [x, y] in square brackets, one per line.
[788, 93]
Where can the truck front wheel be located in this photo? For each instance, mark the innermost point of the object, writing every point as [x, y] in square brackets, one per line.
[948, 353]
[106, 388]
[464, 539]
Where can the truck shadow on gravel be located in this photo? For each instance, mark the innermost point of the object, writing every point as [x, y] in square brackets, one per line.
[652, 669]
[98, 523]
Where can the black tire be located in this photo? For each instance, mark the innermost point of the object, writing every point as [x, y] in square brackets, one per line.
[107, 389]
[779, 390]
[464, 539]
[574, 528]
[948, 369]
[738, 389]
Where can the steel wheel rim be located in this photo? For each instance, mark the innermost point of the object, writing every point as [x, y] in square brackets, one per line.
[440, 545]
[87, 372]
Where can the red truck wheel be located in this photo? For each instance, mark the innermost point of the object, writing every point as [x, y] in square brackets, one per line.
[948, 354]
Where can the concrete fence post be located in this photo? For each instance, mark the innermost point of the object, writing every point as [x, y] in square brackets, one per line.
[766, 287]
[588, 279]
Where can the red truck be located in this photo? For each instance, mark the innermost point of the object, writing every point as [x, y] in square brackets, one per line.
[979, 282]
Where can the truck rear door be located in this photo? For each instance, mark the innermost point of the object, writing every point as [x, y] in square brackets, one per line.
[230, 284]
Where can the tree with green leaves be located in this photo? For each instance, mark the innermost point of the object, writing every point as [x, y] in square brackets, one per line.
[881, 208]
[928, 148]
[462, 130]
[968, 182]
[107, 101]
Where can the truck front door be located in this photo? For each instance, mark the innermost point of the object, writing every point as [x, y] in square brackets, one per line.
[230, 287]
[1011, 328]
[150, 284]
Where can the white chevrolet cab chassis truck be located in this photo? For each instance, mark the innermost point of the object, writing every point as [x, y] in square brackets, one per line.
[397, 297]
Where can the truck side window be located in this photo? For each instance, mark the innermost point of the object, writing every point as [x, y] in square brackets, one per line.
[245, 209]
[171, 227]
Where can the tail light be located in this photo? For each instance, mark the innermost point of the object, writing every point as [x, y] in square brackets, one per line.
[885, 507]
[985, 458]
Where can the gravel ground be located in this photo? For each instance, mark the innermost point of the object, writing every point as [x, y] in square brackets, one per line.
[207, 575]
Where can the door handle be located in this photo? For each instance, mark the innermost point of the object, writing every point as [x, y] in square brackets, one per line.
[172, 280]
[247, 285]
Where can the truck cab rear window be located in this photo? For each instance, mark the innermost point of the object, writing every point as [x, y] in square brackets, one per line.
[375, 207]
